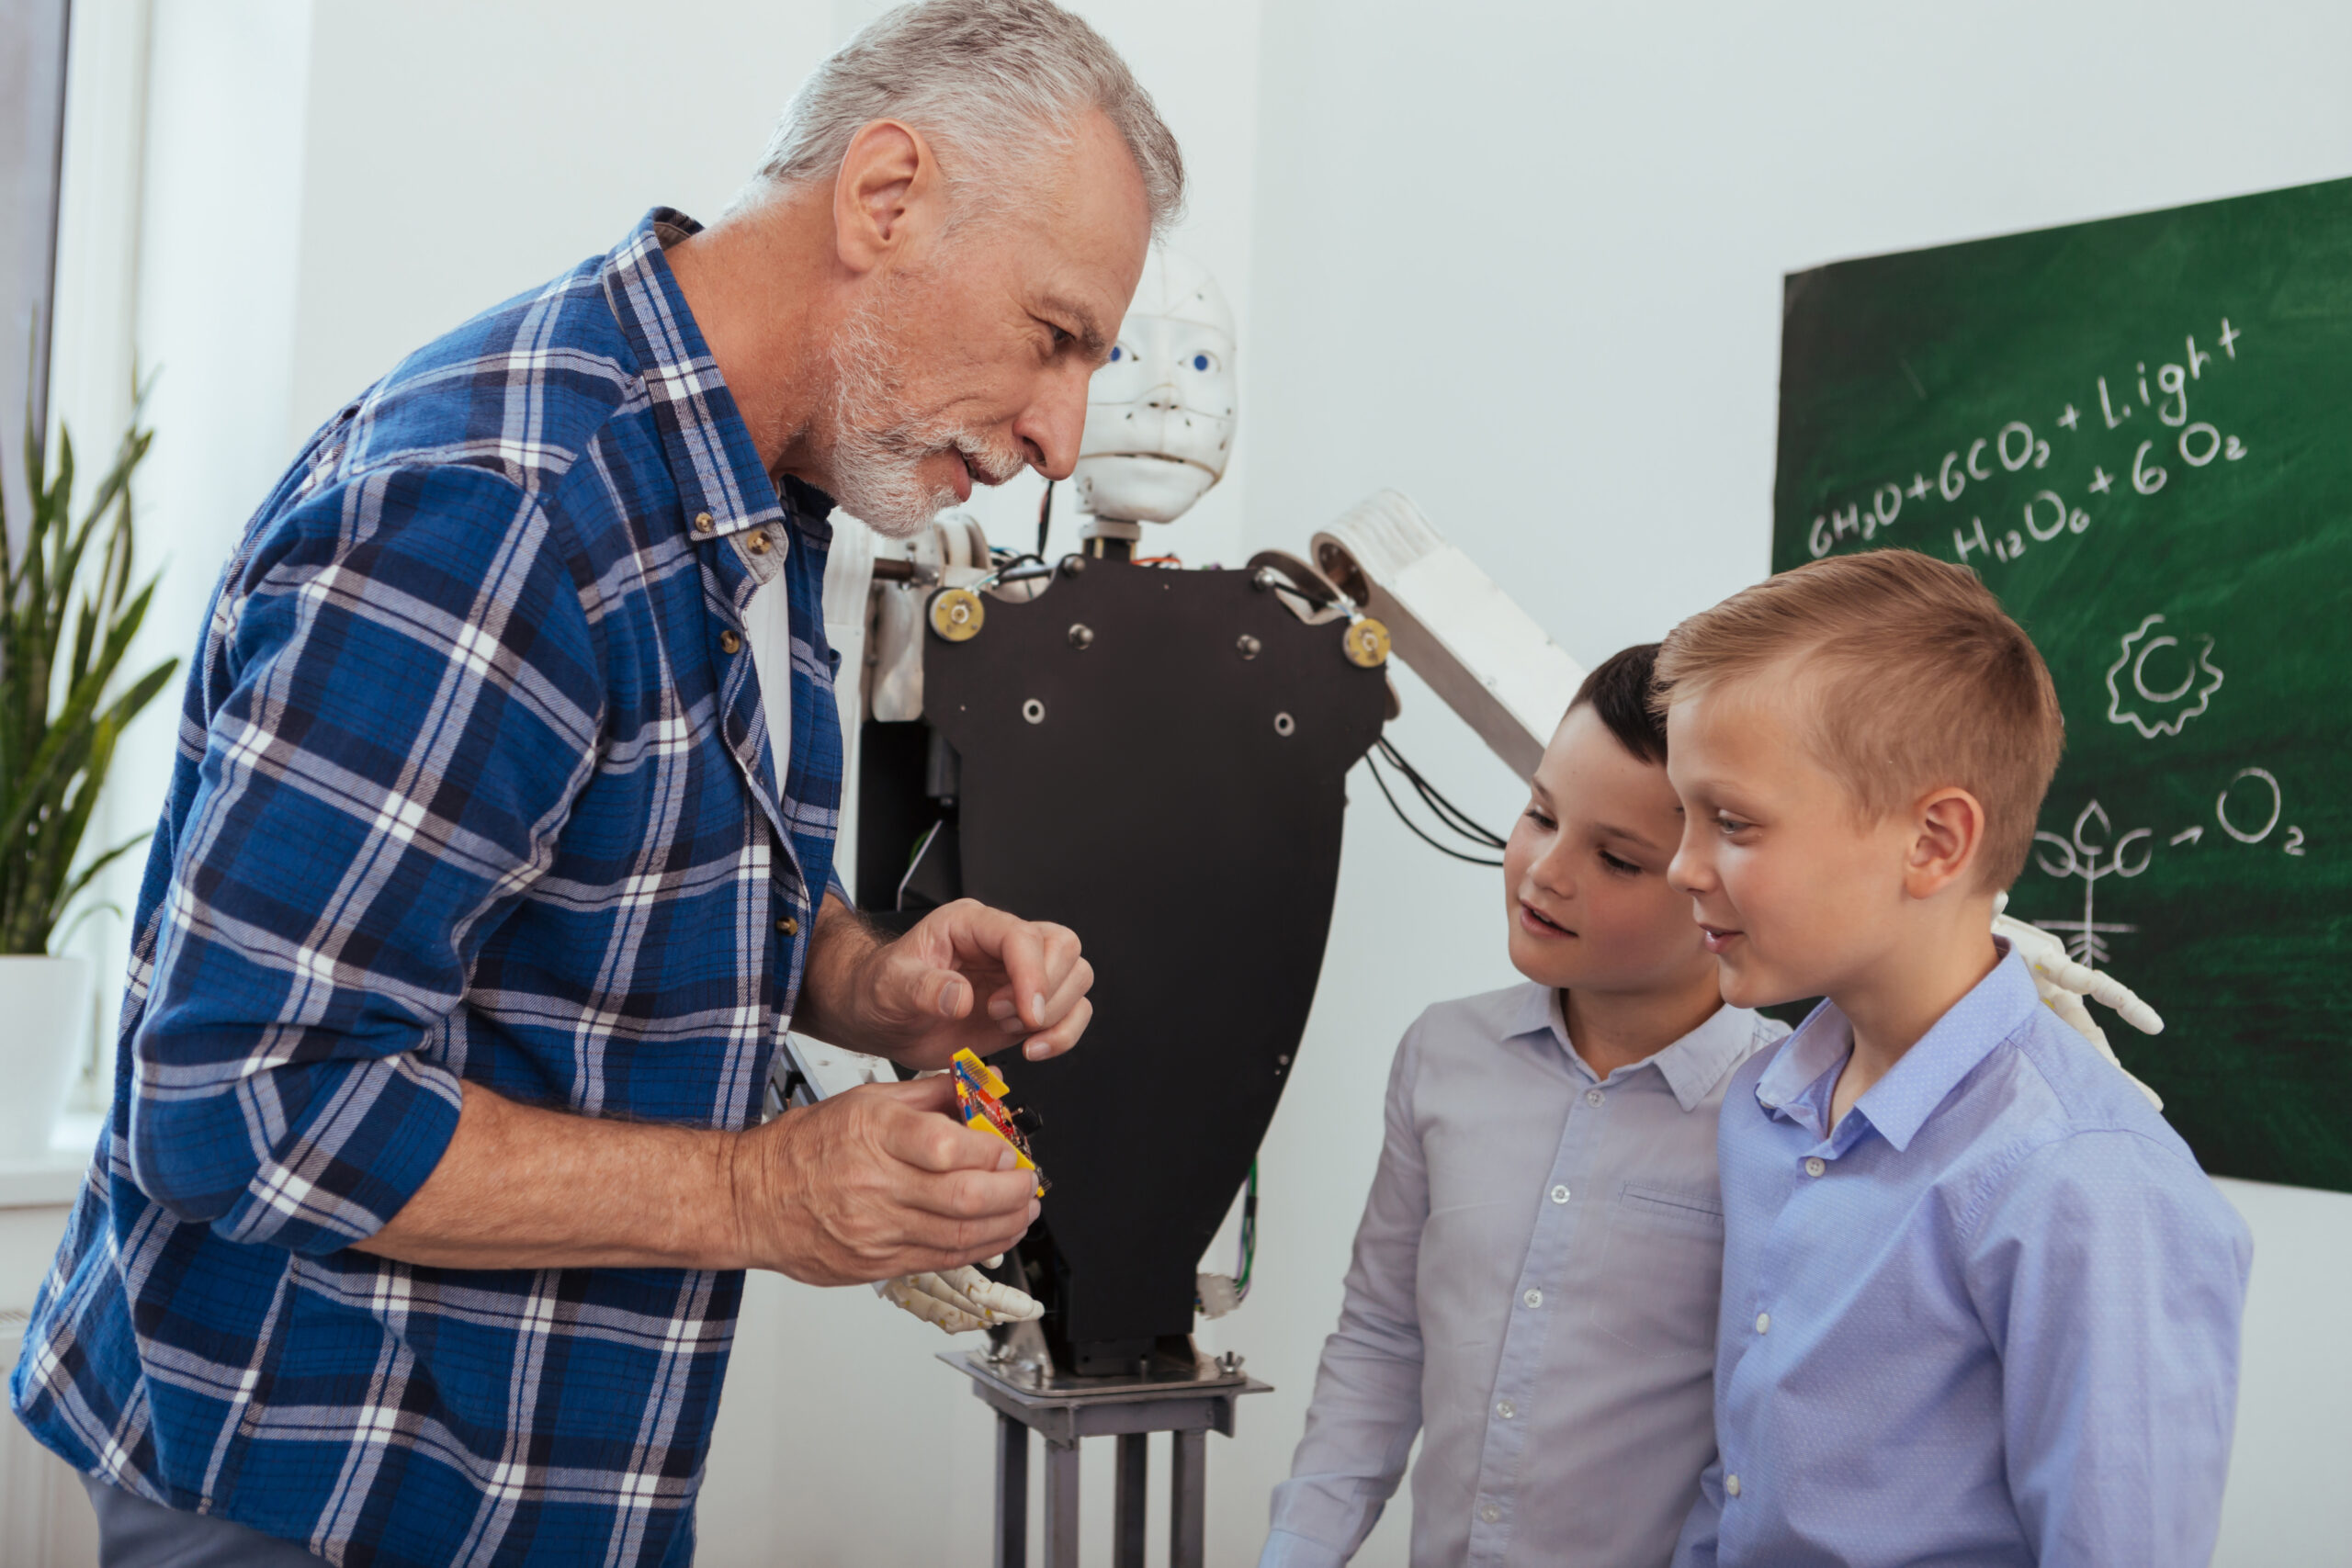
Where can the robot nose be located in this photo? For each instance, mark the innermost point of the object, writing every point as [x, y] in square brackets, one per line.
[1162, 398]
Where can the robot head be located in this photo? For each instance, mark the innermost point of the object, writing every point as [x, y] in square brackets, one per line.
[1160, 415]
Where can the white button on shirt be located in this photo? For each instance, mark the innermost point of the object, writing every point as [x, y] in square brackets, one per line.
[1586, 1434]
[1814, 1164]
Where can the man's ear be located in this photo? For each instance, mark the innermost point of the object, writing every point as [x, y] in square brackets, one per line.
[889, 190]
[1948, 840]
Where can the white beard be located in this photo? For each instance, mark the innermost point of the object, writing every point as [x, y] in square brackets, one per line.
[878, 449]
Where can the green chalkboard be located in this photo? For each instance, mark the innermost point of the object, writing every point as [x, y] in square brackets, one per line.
[2139, 432]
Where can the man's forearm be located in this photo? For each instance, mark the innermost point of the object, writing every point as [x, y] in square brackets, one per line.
[840, 945]
[523, 1187]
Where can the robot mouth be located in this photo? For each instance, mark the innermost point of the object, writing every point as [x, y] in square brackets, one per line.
[1157, 457]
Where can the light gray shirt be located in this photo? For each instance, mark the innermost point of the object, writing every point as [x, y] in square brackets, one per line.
[1534, 1292]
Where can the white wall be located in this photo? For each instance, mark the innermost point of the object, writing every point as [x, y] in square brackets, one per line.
[1521, 261]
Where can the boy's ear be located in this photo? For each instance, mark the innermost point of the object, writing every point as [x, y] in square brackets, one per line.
[1949, 835]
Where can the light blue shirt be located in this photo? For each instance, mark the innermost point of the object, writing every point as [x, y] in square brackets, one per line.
[1534, 1292]
[1992, 1318]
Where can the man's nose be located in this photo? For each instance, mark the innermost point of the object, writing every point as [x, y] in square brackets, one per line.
[1055, 422]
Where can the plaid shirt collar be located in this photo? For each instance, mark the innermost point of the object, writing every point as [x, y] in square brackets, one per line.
[712, 456]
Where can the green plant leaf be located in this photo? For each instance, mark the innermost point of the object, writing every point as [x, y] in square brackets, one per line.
[68, 615]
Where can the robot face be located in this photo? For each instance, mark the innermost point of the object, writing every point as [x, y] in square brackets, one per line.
[1160, 415]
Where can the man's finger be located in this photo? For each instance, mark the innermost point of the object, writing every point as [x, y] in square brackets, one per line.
[935, 1243]
[938, 1145]
[1063, 1035]
[979, 1195]
[934, 1094]
[1075, 984]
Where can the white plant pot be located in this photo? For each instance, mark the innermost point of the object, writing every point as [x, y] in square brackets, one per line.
[44, 1026]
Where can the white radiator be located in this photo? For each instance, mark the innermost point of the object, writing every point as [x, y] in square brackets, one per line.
[45, 1520]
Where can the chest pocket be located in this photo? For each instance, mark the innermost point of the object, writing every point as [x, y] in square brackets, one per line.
[1662, 1258]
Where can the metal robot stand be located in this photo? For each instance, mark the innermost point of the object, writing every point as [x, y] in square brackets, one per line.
[1029, 1396]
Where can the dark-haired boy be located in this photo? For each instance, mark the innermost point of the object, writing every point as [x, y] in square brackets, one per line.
[1534, 1283]
[1979, 1304]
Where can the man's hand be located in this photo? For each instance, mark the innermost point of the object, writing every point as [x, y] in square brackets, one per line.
[966, 976]
[876, 1183]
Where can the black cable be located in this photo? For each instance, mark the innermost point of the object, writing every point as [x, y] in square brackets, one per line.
[1450, 814]
[1045, 518]
[1454, 816]
[1416, 827]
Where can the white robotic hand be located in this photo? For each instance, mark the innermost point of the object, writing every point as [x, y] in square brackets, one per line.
[2064, 982]
[959, 1300]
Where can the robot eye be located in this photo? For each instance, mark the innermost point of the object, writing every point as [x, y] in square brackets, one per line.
[1117, 354]
[1204, 362]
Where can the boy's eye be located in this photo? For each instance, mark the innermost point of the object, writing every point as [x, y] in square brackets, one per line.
[1728, 824]
[1535, 815]
[1623, 867]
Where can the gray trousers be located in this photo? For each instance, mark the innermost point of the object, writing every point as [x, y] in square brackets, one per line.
[135, 1533]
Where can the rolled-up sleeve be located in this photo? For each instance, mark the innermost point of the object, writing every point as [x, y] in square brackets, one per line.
[1367, 1405]
[407, 704]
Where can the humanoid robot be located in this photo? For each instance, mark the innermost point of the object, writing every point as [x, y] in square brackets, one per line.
[1156, 758]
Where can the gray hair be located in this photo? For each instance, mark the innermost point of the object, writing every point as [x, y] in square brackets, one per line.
[994, 82]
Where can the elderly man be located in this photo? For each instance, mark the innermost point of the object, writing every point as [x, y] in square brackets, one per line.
[492, 870]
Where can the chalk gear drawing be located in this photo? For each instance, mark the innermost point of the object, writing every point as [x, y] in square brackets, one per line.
[2186, 700]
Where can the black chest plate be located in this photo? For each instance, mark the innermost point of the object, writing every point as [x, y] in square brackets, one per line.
[1168, 783]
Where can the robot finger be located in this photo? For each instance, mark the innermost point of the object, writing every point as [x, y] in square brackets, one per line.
[2069, 1006]
[906, 1295]
[1000, 1304]
[2112, 992]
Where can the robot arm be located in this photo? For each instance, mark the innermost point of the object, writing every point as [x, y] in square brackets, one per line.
[1510, 683]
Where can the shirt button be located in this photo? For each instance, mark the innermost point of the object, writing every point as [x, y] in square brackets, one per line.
[1506, 1410]
[1731, 1486]
[1814, 1165]
[788, 926]
[1559, 1194]
[1490, 1512]
[757, 543]
[1763, 1323]
[702, 523]
[1533, 1298]
[1593, 1097]
[731, 642]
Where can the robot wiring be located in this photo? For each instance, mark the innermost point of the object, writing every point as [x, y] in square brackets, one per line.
[1451, 818]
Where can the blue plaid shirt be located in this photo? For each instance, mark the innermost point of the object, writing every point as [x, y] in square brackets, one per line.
[473, 784]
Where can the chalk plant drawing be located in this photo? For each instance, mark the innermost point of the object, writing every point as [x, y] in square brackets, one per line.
[2080, 857]
[2158, 709]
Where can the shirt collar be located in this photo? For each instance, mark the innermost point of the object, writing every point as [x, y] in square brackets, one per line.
[1691, 1066]
[712, 456]
[1798, 1083]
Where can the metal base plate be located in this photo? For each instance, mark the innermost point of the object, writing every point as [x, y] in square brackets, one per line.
[1037, 1378]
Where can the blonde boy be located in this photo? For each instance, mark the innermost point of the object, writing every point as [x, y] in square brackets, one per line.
[1979, 1304]
[1533, 1291]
